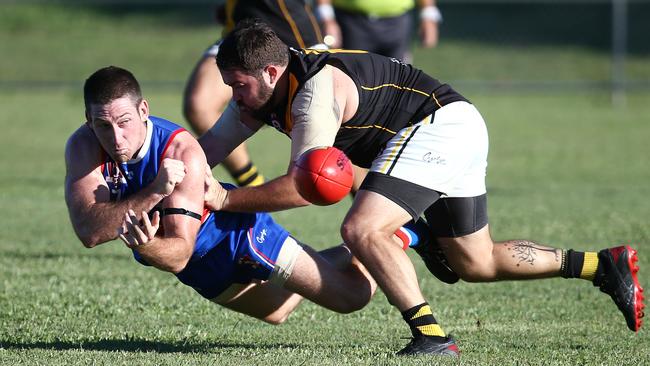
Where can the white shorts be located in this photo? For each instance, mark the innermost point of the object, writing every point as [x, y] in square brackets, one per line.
[448, 154]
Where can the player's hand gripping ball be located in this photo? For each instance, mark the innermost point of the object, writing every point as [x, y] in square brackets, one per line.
[324, 175]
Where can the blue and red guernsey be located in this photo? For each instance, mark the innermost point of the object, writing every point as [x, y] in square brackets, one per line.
[225, 236]
[124, 179]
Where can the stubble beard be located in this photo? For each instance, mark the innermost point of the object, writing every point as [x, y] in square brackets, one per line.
[265, 102]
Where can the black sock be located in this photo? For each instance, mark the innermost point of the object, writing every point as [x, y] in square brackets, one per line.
[579, 264]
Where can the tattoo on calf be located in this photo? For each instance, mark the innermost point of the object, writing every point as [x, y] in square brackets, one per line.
[526, 251]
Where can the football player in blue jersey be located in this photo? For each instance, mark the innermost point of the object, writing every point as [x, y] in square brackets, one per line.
[142, 178]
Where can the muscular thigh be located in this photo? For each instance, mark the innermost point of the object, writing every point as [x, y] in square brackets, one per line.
[259, 299]
[473, 248]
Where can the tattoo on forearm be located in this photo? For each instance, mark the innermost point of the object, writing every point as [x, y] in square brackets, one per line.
[526, 251]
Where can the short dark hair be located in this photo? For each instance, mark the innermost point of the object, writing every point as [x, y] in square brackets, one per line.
[110, 83]
[251, 46]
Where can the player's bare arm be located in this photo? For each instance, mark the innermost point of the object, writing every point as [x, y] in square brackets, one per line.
[172, 250]
[318, 111]
[430, 17]
[94, 218]
[275, 195]
[230, 130]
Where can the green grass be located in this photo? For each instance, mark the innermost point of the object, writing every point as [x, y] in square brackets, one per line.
[565, 169]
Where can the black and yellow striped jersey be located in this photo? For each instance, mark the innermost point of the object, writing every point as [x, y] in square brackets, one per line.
[292, 20]
[392, 96]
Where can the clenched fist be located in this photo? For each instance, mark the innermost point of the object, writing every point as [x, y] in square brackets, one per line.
[170, 174]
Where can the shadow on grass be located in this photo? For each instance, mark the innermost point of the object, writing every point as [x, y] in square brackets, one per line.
[23, 255]
[139, 345]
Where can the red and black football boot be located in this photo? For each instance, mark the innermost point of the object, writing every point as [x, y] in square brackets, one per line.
[617, 277]
[423, 345]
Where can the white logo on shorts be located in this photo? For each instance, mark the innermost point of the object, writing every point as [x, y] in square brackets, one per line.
[429, 158]
[260, 238]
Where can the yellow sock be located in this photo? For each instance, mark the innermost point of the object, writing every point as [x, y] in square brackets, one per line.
[589, 266]
[248, 176]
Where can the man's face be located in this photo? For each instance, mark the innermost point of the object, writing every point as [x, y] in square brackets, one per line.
[120, 126]
[252, 94]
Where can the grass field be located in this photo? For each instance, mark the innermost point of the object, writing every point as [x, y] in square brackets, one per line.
[565, 169]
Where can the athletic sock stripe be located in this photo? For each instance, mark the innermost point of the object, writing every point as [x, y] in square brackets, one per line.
[250, 181]
[401, 150]
[423, 320]
[245, 174]
[255, 181]
[425, 310]
[431, 330]
[243, 170]
[589, 266]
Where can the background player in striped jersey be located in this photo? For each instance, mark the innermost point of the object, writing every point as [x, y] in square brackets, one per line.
[426, 147]
[205, 93]
[123, 163]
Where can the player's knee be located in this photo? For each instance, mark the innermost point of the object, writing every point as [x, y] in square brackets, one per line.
[476, 271]
[356, 236]
[350, 234]
[276, 318]
[355, 301]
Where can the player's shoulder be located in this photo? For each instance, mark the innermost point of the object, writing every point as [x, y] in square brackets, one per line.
[83, 152]
[177, 137]
[185, 147]
[82, 141]
[81, 133]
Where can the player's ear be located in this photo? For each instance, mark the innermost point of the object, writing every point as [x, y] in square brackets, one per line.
[273, 73]
[143, 109]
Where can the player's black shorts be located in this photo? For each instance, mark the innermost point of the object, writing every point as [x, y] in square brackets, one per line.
[389, 36]
[448, 217]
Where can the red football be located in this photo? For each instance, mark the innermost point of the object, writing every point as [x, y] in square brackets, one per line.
[324, 175]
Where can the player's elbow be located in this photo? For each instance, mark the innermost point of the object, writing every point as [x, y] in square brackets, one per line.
[177, 266]
[89, 244]
[89, 240]
[87, 234]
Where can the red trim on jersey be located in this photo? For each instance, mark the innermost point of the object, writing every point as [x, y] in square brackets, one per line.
[204, 216]
[169, 142]
[206, 212]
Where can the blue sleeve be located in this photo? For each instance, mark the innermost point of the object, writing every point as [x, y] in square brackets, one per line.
[228, 186]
